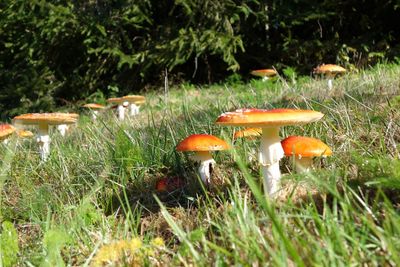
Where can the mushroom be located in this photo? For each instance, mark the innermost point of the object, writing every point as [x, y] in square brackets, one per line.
[94, 108]
[43, 121]
[264, 73]
[168, 184]
[122, 104]
[270, 148]
[330, 71]
[24, 134]
[202, 144]
[5, 131]
[248, 133]
[304, 149]
[133, 101]
[63, 128]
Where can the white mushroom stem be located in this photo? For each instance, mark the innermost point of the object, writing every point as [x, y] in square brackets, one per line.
[206, 164]
[330, 83]
[271, 152]
[43, 139]
[265, 78]
[121, 112]
[303, 164]
[94, 114]
[62, 128]
[133, 109]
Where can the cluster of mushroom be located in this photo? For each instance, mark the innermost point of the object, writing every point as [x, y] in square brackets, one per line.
[6, 130]
[329, 71]
[131, 102]
[268, 123]
[63, 121]
[43, 121]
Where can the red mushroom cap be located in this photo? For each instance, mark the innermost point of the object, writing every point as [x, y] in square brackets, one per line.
[202, 142]
[305, 147]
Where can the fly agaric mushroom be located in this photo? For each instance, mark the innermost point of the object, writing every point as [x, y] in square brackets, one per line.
[330, 71]
[63, 128]
[24, 134]
[270, 148]
[168, 184]
[264, 73]
[133, 101]
[202, 144]
[247, 133]
[94, 108]
[304, 149]
[43, 121]
[5, 131]
[122, 104]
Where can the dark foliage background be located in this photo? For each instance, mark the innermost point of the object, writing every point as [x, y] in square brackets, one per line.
[58, 52]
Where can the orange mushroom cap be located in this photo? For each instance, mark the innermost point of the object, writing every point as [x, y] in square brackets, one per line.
[202, 142]
[115, 100]
[133, 98]
[24, 134]
[329, 69]
[46, 118]
[6, 130]
[249, 132]
[93, 106]
[264, 73]
[268, 118]
[305, 147]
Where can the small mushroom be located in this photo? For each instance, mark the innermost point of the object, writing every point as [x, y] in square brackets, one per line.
[304, 149]
[248, 133]
[122, 104]
[94, 108]
[63, 128]
[264, 73]
[43, 121]
[5, 131]
[270, 147]
[202, 145]
[134, 101]
[330, 71]
[24, 134]
[168, 184]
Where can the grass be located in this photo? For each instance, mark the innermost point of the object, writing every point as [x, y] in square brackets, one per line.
[94, 201]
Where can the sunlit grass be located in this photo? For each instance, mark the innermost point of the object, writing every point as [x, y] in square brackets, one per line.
[98, 186]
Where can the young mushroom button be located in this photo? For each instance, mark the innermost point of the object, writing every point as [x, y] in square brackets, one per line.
[202, 145]
[304, 149]
[270, 148]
